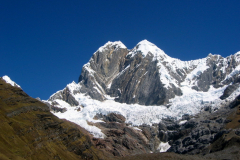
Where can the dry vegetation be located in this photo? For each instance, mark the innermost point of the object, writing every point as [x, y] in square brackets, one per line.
[29, 131]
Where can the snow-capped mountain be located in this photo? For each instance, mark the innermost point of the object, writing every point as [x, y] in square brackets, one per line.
[142, 101]
[146, 75]
[145, 85]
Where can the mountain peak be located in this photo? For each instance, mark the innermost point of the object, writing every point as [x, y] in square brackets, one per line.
[144, 47]
[145, 41]
[117, 44]
[8, 80]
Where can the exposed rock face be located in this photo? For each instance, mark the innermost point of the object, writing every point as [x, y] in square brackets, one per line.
[66, 96]
[102, 68]
[147, 76]
[115, 71]
[140, 83]
[211, 132]
[122, 139]
[229, 90]
[219, 72]
[111, 117]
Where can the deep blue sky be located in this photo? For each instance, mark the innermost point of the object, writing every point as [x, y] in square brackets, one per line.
[45, 43]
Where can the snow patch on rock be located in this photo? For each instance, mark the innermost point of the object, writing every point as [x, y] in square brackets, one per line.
[8, 80]
[163, 147]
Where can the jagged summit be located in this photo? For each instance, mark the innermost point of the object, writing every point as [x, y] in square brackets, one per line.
[116, 44]
[148, 76]
[145, 47]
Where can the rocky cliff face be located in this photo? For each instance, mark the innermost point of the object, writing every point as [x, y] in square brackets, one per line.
[147, 76]
[98, 74]
[211, 133]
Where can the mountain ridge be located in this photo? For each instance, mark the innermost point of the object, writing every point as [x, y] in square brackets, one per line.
[127, 81]
[143, 101]
[171, 72]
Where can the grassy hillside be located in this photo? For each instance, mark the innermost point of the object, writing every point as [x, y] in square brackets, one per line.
[29, 131]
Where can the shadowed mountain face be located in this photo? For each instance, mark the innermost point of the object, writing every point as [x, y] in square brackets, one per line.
[29, 131]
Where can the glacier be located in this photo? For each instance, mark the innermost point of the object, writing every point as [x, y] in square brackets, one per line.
[191, 102]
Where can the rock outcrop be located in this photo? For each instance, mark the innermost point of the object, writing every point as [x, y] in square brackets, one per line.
[229, 90]
[123, 139]
[211, 132]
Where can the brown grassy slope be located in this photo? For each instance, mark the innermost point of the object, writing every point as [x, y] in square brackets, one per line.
[235, 115]
[29, 131]
[164, 156]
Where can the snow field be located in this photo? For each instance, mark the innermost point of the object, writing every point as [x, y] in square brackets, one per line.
[191, 102]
